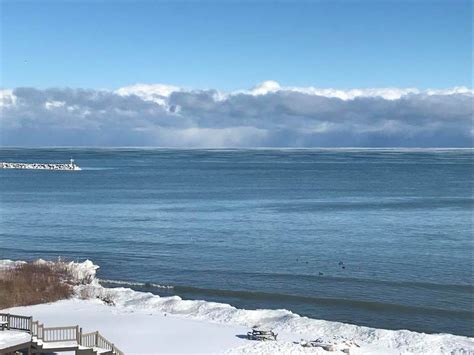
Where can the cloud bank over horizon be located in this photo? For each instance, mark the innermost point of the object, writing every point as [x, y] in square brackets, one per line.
[267, 115]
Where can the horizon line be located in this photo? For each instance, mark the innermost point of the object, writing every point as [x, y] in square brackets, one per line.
[236, 148]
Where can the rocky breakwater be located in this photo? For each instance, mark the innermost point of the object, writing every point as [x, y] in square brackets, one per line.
[40, 166]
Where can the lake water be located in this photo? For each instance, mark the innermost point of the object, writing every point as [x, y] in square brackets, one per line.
[382, 238]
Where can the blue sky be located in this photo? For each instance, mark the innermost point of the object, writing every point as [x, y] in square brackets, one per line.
[236, 74]
[231, 45]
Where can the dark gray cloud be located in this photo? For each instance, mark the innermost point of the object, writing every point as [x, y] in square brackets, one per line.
[207, 118]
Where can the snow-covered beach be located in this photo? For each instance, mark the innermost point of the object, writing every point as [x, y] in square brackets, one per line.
[144, 323]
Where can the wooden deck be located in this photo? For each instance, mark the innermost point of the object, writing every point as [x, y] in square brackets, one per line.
[57, 339]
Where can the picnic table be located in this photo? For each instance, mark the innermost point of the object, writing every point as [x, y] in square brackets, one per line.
[3, 324]
[260, 334]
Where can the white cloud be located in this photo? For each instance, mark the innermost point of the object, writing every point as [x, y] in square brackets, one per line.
[7, 98]
[265, 88]
[158, 92]
[266, 115]
[53, 104]
[210, 137]
[150, 92]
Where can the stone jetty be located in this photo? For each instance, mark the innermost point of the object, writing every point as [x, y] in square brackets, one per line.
[40, 166]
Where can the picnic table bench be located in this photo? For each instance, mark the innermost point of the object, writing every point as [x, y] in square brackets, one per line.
[335, 344]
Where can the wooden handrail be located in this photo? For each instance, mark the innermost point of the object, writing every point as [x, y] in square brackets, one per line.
[34, 328]
[71, 327]
[16, 315]
[97, 340]
[58, 334]
[88, 340]
[17, 322]
[55, 334]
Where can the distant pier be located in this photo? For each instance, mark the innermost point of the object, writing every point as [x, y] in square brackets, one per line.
[41, 166]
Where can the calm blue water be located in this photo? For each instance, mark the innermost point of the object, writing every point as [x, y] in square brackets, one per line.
[378, 238]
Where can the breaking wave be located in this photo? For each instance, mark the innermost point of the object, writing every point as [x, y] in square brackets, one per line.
[133, 283]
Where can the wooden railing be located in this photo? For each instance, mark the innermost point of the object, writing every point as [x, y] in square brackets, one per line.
[36, 328]
[61, 334]
[89, 340]
[96, 340]
[17, 322]
[58, 334]
[105, 344]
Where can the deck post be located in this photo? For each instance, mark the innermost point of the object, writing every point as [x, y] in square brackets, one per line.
[79, 336]
[8, 321]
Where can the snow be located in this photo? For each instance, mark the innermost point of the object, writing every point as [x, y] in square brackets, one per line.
[289, 348]
[146, 332]
[9, 338]
[81, 273]
[58, 344]
[84, 272]
[155, 324]
[290, 326]
[8, 264]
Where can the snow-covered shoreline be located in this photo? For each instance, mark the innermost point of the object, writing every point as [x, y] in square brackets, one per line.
[155, 324]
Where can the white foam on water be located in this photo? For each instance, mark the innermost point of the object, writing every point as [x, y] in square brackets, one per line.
[131, 283]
